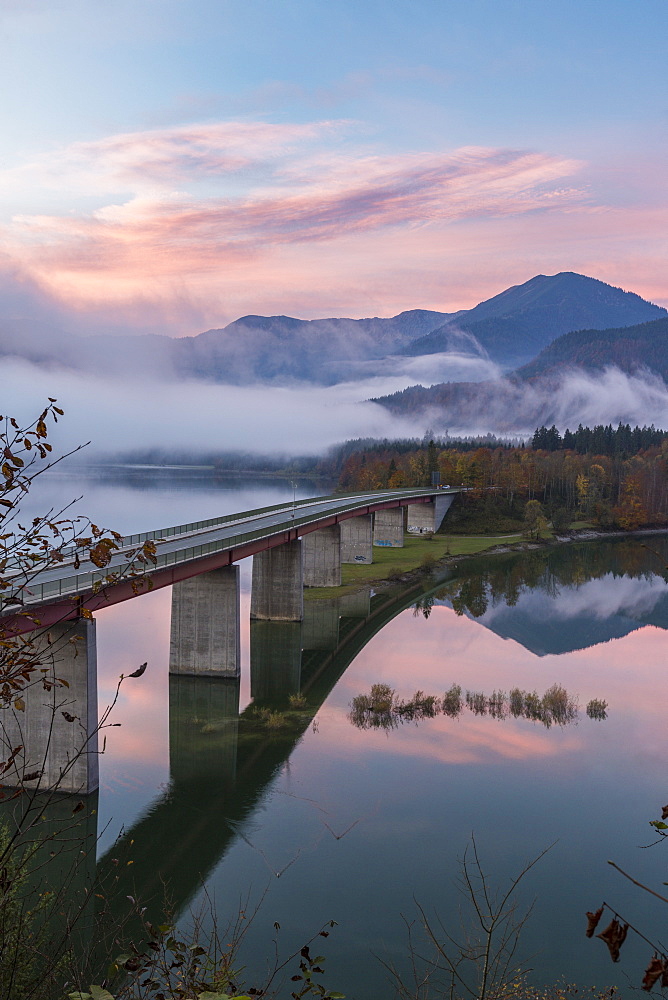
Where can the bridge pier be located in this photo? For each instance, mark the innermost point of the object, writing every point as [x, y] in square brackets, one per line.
[357, 539]
[426, 518]
[388, 528]
[322, 557]
[277, 592]
[205, 627]
[62, 754]
[275, 660]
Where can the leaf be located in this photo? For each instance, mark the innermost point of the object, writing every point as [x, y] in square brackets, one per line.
[20, 706]
[97, 993]
[220, 996]
[78, 807]
[657, 824]
[86, 613]
[139, 671]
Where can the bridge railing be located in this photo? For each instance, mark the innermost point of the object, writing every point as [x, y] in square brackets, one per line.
[83, 583]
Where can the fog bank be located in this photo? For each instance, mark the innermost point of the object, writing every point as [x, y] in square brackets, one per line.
[117, 415]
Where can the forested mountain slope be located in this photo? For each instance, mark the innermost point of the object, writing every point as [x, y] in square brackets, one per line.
[629, 348]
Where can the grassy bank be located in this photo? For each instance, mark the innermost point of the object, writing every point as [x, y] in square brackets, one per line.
[417, 552]
[422, 552]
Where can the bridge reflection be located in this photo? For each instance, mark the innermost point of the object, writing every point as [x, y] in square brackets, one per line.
[222, 763]
[220, 771]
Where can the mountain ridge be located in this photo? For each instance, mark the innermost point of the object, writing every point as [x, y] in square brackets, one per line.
[514, 324]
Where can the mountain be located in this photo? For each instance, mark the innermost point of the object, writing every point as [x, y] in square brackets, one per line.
[251, 349]
[630, 348]
[511, 328]
[281, 348]
[518, 323]
[504, 406]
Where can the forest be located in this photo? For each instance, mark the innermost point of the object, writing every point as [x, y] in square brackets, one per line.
[609, 478]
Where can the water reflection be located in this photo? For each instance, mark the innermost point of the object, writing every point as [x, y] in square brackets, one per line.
[383, 708]
[227, 768]
[562, 599]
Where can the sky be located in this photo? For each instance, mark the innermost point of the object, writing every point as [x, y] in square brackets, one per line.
[167, 166]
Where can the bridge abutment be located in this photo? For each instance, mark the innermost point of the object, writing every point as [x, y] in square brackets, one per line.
[388, 528]
[278, 580]
[205, 627]
[61, 754]
[357, 539]
[426, 518]
[322, 557]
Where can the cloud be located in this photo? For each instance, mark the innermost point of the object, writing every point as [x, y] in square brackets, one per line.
[316, 200]
[163, 158]
[631, 597]
[181, 228]
[502, 406]
[167, 213]
[141, 413]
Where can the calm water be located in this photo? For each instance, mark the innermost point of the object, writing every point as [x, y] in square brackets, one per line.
[319, 819]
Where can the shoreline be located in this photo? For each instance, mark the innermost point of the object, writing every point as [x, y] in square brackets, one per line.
[382, 573]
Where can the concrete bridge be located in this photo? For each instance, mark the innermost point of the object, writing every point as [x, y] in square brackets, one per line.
[293, 546]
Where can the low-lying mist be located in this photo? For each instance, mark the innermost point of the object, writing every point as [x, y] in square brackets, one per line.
[197, 418]
[511, 407]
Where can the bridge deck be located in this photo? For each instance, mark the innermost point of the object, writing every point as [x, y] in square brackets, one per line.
[197, 547]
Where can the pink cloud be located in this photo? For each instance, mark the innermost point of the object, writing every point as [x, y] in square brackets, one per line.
[183, 236]
[164, 157]
[199, 224]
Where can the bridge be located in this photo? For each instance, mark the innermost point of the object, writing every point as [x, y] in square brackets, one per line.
[297, 545]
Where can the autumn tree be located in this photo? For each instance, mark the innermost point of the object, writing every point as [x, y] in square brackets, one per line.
[534, 519]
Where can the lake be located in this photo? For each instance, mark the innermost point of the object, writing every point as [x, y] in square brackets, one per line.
[311, 815]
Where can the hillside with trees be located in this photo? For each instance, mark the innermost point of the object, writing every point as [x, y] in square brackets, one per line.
[623, 485]
[644, 346]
